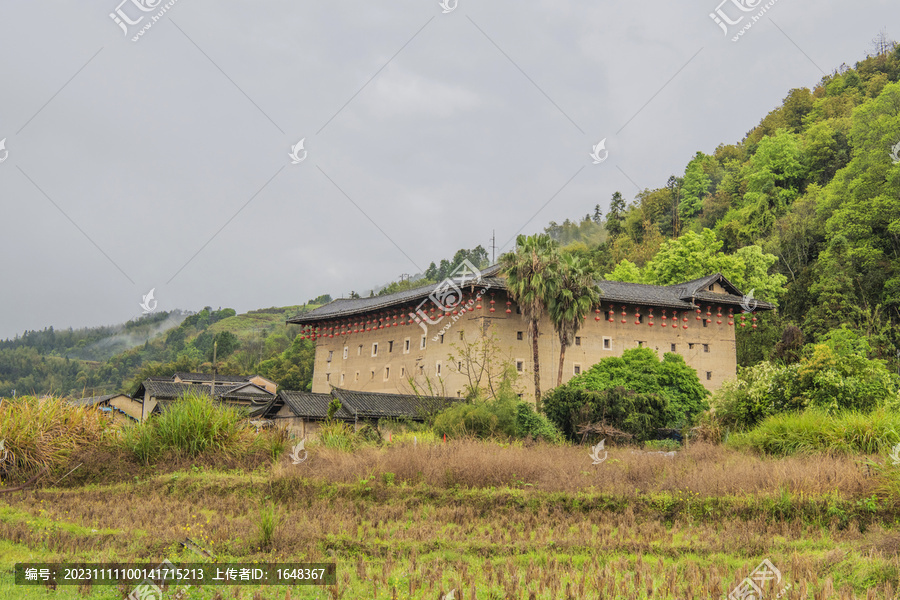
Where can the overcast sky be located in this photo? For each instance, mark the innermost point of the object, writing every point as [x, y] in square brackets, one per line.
[164, 162]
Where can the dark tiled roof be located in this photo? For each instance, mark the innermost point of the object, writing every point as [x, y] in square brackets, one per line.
[92, 401]
[171, 390]
[735, 301]
[311, 406]
[350, 306]
[372, 405]
[208, 377]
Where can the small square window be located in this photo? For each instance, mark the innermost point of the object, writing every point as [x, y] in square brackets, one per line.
[578, 369]
[520, 365]
[391, 346]
[673, 348]
[690, 346]
[706, 347]
[577, 340]
[607, 343]
[520, 335]
[708, 375]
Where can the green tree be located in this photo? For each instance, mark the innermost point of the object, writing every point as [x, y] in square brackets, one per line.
[530, 279]
[574, 295]
[615, 216]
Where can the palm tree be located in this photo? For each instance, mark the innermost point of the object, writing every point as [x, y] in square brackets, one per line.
[531, 279]
[575, 294]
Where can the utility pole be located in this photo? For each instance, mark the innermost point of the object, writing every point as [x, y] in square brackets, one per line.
[215, 368]
[493, 246]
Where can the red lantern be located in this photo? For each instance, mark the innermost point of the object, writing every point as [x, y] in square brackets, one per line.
[663, 324]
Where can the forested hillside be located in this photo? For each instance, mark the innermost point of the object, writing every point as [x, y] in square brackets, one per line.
[805, 210]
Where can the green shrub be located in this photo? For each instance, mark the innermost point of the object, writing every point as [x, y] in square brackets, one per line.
[530, 423]
[336, 434]
[831, 377]
[662, 445]
[639, 414]
[815, 431]
[481, 418]
[639, 370]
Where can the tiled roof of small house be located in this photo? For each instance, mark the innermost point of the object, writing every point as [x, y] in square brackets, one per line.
[92, 401]
[311, 406]
[376, 405]
[208, 377]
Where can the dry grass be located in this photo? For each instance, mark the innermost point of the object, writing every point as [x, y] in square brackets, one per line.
[41, 433]
[704, 469]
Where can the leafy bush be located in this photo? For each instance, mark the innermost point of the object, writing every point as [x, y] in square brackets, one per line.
[639, 370]
[813, 431]
[336, 434]
[832, 376]
[481, 419]
[638, 414]
[530, 423]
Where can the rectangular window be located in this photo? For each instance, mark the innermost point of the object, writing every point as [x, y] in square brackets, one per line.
[356, 378]
[459, 366]
[706, 347]
[330, 355]
[421, 369]
[359, 350]
[518, 310]
[712, 287]
[706, 322]
[387, 373]
[375, 349]
[641, 344]
[520, 335]
[406, 346]
[690, 346]
[438, 370]
[577, 369]
[327, 376]
[708, 375]
[372, 376]
[402, 371]
[391, 346]
[342, 379]
[422, 346]
[673, 348]
[577, 340]
[520, 366]
[607, 343]
[346, 352]
[461, 334]
[442, 338]
[640, 319]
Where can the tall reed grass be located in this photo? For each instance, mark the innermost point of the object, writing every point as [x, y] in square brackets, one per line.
[813, 431]
[41, 433]
[191, 426]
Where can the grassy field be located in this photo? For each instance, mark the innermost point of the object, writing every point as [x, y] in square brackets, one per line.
[488, 520]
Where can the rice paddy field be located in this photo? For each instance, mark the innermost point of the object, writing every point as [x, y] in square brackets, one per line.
[480, 519]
